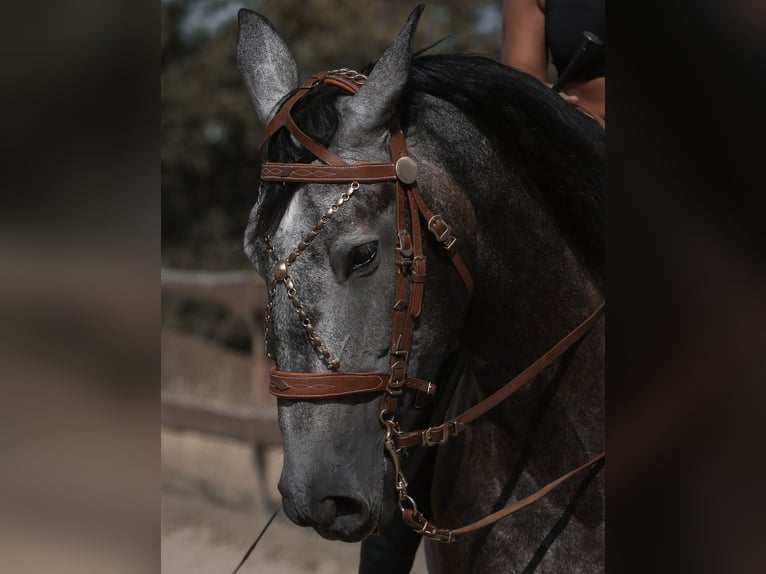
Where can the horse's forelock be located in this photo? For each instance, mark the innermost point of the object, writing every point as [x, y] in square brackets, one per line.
[316, 115]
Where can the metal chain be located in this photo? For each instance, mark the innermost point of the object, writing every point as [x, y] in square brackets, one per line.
[352, 75]
[327, 357]
[267, 319]
[281, 276]
[406, 502]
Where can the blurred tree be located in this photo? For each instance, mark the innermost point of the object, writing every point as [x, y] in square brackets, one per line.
[210, 132]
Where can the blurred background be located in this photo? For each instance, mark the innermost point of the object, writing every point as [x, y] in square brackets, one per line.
[221, 454]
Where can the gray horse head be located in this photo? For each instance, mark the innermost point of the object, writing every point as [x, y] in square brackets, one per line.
[336, 477]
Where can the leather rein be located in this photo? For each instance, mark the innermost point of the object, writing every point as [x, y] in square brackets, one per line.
[412, 212]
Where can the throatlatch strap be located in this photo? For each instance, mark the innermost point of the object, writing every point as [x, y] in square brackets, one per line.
[441, 231]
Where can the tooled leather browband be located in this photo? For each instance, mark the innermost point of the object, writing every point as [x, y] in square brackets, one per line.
[313, 173]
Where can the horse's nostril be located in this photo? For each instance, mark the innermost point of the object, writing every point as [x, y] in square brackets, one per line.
[346, 506]
[334, 507]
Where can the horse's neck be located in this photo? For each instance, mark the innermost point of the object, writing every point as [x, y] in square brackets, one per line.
[530, 287]
[531, 290]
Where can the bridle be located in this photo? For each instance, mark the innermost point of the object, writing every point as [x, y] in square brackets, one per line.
[412, 212]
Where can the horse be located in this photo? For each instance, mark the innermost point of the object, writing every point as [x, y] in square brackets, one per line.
[511, 177]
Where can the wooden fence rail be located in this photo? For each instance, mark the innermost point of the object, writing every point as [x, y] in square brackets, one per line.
[247, 424]
[244, 294]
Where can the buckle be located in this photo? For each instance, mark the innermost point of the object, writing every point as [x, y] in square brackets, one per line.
[404, 265]
[441, 231]
[405, 243]
[431, 531]
[402, 355]
[437, 221]
[428, 441]
[427, 435]
[419, 265]
[424, 399]
[449, 243]
[397, 380]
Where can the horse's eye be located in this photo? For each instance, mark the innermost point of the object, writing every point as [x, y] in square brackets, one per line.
[363, 255]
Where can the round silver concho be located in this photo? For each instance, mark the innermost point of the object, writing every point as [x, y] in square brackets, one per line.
[406, 170]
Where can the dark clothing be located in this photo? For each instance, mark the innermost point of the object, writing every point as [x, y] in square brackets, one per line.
[565, 22]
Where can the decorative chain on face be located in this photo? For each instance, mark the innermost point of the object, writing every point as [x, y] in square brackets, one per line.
[282, 276]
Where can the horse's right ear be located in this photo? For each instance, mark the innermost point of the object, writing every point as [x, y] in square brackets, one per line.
[265, 62]
[375, 102]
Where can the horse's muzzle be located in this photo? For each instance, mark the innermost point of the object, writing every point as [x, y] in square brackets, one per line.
[347, 518]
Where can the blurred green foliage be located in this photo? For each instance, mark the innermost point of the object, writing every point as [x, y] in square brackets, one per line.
[210, 161]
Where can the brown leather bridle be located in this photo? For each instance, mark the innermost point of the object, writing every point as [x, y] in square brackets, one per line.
[412, 212]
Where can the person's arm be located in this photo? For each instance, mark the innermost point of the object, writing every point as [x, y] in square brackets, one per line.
[524, 37]
[524, 40]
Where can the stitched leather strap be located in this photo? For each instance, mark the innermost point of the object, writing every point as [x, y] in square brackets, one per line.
[284, 118]
[278, 121]
[440, 434]
[441, 231]
[402, 326]
[288, 385]
[421, 524]
[313, 172]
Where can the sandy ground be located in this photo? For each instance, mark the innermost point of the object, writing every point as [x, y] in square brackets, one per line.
[213, 508]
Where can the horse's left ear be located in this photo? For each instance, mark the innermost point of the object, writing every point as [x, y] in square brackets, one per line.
[376, 100]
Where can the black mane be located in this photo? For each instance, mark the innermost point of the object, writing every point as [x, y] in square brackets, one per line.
[558, 151]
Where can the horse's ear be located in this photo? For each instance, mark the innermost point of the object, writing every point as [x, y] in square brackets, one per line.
[265, 63]
[376, 100]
